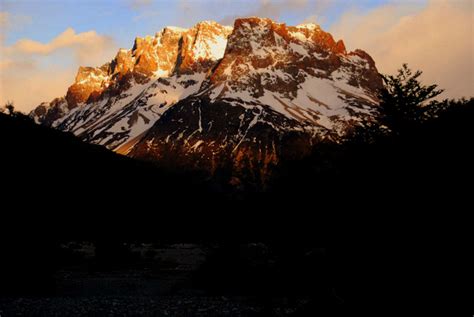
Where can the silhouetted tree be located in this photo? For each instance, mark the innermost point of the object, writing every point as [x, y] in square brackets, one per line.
[10, 108]
[403, 100]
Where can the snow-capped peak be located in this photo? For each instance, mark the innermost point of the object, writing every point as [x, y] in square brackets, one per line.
[205, 91]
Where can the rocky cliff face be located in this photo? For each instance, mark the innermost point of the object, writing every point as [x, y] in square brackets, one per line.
[299, 71]
[213, 97]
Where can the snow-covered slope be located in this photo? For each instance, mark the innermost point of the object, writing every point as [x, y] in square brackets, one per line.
[299, 71]
[213, 95]
[114, 104]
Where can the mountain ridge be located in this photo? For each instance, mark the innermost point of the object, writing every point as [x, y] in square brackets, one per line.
[163, 97]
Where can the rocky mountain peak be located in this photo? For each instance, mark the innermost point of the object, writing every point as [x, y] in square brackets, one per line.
[172, 49]
[212, 95]
[263, 55]
[88, 80]
[122, 63]
[202, 46]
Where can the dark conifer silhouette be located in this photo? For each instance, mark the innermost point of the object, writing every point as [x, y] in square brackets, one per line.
[403, 100]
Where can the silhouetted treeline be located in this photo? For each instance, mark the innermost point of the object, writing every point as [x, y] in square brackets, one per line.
[420, 161]
[417, 155]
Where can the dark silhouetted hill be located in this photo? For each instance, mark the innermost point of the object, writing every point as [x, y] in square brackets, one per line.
[54, 181]
[392, 212]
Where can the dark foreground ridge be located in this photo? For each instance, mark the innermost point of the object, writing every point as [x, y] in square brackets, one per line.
[388, 216]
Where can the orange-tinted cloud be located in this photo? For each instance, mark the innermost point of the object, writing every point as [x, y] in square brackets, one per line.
[437, 39]
[28, 87]
[87, 46]
[33, 72]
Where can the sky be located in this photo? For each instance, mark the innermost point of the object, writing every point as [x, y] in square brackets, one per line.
[43, 42]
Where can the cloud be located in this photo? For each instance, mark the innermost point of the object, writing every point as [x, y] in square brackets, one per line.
[33, 72]
[65, 39]
[7, 64]
[437, 39]
[88, 47]
[28, 86]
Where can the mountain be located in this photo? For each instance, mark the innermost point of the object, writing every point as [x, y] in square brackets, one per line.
[109, 105]
[214, 97]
